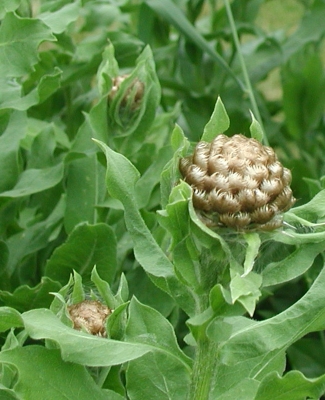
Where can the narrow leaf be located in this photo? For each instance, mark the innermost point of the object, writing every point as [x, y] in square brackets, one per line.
[120, 179]
[36, 180]
[218, 123]
[256, 130]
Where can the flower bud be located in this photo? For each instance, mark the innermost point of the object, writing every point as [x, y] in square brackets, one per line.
[239, 183]
[133, 93]
[90, 316]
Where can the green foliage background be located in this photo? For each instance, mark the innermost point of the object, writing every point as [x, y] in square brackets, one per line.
[69, 203]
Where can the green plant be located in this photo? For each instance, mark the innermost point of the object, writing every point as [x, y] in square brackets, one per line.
[94, 120]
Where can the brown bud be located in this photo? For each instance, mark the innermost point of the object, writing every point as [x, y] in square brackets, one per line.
[239, 181]
[133, 94]
[89, 315]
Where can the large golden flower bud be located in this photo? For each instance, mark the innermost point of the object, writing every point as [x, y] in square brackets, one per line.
[238, 183]
[89, 315]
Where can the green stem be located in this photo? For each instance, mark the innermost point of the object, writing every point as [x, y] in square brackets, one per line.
[249, 89]
[205, 357]
[203, 369]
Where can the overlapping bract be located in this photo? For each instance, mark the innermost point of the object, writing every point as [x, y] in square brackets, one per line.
[238, 182]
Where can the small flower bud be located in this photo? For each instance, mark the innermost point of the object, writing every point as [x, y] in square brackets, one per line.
[89, 315]
[239, 182]
[133, 94]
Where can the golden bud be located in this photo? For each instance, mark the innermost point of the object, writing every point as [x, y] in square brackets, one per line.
[90, 316]
[238, 183]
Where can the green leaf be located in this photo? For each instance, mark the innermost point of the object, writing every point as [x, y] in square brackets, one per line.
[165, 372]
[77, 346]
[104, 290]
[34, 237]
[9, 318]
[147, 182]
[35, 180]
[170, 175]
[59, 20]
[107, 70]
[131, 117]
[306, 357]
[245, 289]
[296, 264]
[8, 5]
[256, 129]
[219, 122]
[253, 245]
[44, 376]
[156, 378]
[25, 297]
[86, 246]
[171, 13]
[7, 394]
[293, 386]
[11, 96]
[303, 92]
[85, 187]
[19, 41]
[266, 341]
[148, 326]
[121, 179]
[10, 164]
[94, 126]
[310, 30]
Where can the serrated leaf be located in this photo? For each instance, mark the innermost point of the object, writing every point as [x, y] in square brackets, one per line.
[42, 375]
[218, 123]
[19, 41]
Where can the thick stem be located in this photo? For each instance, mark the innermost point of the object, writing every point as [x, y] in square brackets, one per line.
[203, 369]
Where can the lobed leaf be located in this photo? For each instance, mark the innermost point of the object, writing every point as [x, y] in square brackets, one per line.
[292, 386]
[19, 41]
